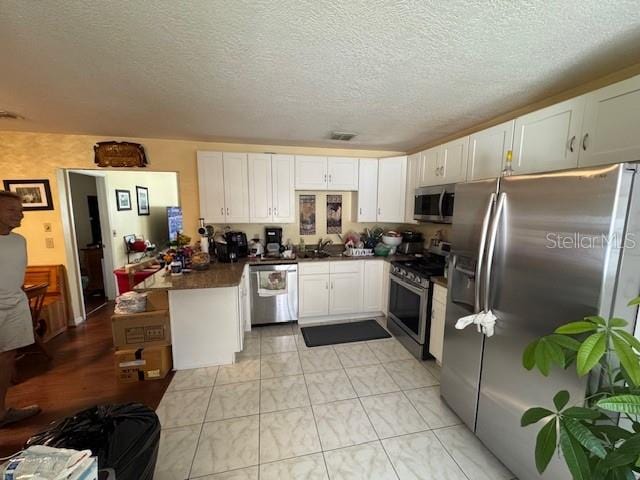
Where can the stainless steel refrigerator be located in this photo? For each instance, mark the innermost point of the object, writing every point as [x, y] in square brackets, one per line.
[539, 251]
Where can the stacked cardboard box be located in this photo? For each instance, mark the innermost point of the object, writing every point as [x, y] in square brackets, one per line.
[143, 341]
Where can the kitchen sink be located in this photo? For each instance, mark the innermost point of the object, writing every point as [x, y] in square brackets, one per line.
[316, 254]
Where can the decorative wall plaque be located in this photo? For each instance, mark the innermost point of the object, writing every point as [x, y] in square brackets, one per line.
[119, 154]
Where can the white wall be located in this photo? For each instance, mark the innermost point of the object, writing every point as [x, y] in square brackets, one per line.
[163, 193]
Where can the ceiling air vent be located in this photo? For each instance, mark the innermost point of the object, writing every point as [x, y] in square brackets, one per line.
[6, 115]
[342, 136]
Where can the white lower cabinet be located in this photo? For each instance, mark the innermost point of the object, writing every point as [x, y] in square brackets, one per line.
[313, 295]
[438, 311]
[373, 286]
[345, 293]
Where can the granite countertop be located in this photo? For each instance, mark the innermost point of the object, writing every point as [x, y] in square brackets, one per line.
[221, 275]
[440, 281]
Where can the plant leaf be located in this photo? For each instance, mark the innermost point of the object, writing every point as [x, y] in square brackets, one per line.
[574, 456]
[611, 433]
[635, 301]
[543, 358]
[561, 399]
[596, 319]
[555, 352]
[628, 359]
[564, 341]
[591, 352]
[630, 339]
[528, 357]
[582, 434]
[618, 322]
[546, 444]
[621, 403]
[534, 415]
[631, 445]
[574, 328]
[581, 413]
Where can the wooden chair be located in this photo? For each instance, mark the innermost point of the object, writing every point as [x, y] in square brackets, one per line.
[36, 295]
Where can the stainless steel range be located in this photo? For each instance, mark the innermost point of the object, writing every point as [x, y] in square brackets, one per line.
[410, 294]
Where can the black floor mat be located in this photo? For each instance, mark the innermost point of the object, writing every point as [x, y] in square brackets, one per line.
[343, 333]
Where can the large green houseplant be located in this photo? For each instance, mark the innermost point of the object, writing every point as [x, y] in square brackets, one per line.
[593, 444]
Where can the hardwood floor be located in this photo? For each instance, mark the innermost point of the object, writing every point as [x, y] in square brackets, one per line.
[80, 375]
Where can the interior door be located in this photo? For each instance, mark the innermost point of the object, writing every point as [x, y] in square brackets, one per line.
[392, 178]
[236, 187]
[462, 349]
[548, 139]
[538, 283]
[260, 188]
[283, 174]
[368, 190]
[342, 173]
[611, 130]
[488, 150]
[211, 187]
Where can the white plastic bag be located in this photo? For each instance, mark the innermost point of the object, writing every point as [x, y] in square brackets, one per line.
[131, 302]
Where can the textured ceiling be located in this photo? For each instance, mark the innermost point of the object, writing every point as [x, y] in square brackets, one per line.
[399, 73]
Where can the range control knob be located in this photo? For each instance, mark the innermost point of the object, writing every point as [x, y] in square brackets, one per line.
[411, 277]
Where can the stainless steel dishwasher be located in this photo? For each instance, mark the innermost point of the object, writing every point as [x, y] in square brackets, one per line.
[271, 300]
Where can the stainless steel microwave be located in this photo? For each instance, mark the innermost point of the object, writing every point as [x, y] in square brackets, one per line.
[434, 204]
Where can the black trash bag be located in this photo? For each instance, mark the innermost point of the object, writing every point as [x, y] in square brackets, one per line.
[123, 437]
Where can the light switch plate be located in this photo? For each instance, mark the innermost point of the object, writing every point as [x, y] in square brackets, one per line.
[48, 242]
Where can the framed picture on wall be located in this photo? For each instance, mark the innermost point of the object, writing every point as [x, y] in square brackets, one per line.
[123, 200]
[142, 194]
[35, 194]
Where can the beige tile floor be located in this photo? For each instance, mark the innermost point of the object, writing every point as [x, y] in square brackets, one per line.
[284, 411]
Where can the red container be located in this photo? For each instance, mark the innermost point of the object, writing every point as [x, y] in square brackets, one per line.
[122, 278]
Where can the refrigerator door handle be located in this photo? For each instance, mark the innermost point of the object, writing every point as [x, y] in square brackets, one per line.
[493, 234]
[481, 250]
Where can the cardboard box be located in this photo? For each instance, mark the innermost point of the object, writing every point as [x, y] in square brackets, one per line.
[139, 330]
[157, 300]
[151, 363]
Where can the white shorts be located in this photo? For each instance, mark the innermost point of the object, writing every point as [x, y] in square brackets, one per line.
[16, 330]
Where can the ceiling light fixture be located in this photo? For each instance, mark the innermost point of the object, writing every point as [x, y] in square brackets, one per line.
[342, 136]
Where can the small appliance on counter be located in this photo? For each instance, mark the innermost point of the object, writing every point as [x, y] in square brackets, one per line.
[239, 239]
[273, 241]
[412, 242]
[256, 249]
[226, 252]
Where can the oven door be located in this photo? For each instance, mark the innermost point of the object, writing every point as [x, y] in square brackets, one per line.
[408, 308]
[434, 204]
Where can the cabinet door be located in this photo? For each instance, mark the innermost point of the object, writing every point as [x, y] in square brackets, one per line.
[611, 128]
[284, 196]
[453, 161]
[236, 187]
[413, 170]
[311, 173]
[548, 139]
[345, 293]
[342, 173]
[429, 167]
[211, 187]
[367, 190]
[260, 188]
[487, 151]
[373, 286]
[392, 186]
[313, 295]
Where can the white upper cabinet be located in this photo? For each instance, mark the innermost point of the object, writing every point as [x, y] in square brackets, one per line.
[452, 166]
[413, 171]
[611, 127]
[284, 197]
[260, 188]
[236, 187]
[392, 186]
[429, 167]
[367, 190]
[548, 139]
[311, 172]
[211, 187]
[487, 151]
[342, 173]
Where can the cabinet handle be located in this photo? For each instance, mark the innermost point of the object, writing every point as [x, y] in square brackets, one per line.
[269, 212]
[584, 141]
[228, 211]
[437, 171]
[222, 211]
[330, 181]
[275, 212]
[571, 142]
[331, 284]
[441, 171]
[326, 285]
[379, 212]
[325, 178]
[360, 210]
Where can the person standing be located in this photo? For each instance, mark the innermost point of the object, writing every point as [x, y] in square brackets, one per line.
[16, 330]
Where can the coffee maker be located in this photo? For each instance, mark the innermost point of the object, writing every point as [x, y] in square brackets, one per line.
[273, 241]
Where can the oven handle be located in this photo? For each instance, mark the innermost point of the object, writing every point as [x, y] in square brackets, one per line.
[440, 202]
[418, 291]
